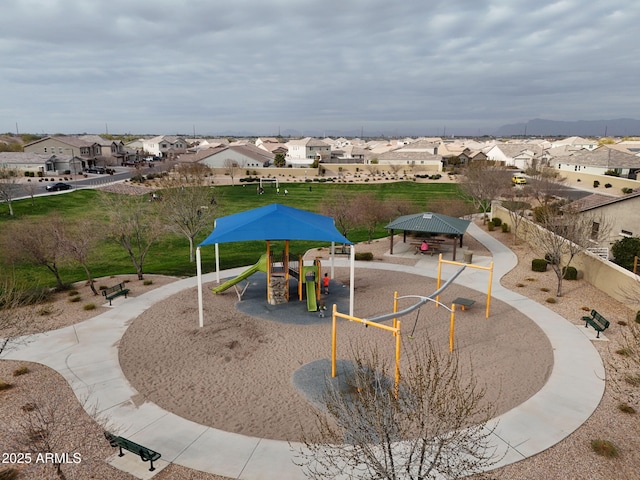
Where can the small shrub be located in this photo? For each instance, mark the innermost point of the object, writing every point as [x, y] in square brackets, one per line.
[505, 228]
[148, 282]
[102, 287]
[5, 386]
[552, 258]
[89, 306]
[531, 279]
[365, 256]
[75, 299]
[622, 322]
[607, 185]
[9, 473]
[519, 284]
[551, 300]
[497, 222]
[626, 190]
[625, 352]
[638, 316]
[23, 370]
[491, 226]
[586, 309]
[28, 407]
[596, 184]
[570, 273]
[604, 448]
[544, 289]
[45, 310]
[624, 408]
[73, 293]
[633, 380]
[539, 265]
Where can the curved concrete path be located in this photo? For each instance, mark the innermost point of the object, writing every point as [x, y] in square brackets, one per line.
[86, 355]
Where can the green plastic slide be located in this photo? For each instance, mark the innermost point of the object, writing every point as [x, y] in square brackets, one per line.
[312, 306]
[260, 266]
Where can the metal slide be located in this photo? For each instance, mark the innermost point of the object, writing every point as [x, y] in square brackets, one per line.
[312, 305]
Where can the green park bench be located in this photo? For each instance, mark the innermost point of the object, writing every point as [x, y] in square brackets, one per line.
[146, 454]
[597, 321]
[112, 292]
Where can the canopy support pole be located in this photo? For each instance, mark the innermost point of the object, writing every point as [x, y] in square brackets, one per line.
[352, 277]
[217, 263]
[199, 273]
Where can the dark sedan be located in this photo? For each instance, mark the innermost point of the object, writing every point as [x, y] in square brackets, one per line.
[56, 187]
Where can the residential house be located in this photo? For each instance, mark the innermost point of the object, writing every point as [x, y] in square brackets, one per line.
[599, 161]
[519, 155]
[113, 152]
[65, 145]
[620, 214]
[243, 156]
[348, 154]
[303, 152]
[164, 146]
[420, 155]
[40, 163]
[576, 143]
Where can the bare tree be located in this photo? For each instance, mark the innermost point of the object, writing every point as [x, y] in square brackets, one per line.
[188, 211]
[517, 208]
[17, 312]
[338, 206]
[134, 224]
[433, 426]
[8, 186]
[231, 167]
[369, 211]
[454, 207]
[39, 243]
[561, 234]
[483, 182]
[54, 429]
[191, 174]
[544, 183]
[79, 243]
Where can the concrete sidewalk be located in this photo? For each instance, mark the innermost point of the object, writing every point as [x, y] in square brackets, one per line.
[86, 355]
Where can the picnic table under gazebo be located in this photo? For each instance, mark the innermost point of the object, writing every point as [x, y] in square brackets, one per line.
[430, 223]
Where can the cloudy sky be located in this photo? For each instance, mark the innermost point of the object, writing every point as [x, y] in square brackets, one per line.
[419, 67]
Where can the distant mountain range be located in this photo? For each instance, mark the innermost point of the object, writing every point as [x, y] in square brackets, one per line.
[620, 127]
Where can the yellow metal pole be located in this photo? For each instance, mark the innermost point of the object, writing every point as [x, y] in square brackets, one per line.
[395, 308]
[398, 344]
[334, 339]
[268, 269]
[438, 282]
[452, 323]
[489, 290]
[285, 267]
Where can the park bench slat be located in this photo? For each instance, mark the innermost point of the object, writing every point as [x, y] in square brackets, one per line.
[597, 321]
[146, 454]
[112, 292]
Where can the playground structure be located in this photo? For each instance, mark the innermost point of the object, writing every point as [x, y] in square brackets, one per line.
[395, 327]
[449, 262]
[280, 270]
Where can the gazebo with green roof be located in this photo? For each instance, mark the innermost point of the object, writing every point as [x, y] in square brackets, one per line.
[432, 223]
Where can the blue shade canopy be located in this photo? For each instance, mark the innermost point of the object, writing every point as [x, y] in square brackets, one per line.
[274, 222]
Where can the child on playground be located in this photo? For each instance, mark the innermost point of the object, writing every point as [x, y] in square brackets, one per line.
[325, 283]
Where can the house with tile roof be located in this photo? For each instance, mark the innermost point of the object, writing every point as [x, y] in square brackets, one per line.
[243, 156]
[519, 155]
[164, 146]
[420, 155]
[599, 161]
[40, 162]
[620, 211]
[305, 151]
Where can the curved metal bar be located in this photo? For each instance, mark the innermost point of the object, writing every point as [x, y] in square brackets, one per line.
[389, 316]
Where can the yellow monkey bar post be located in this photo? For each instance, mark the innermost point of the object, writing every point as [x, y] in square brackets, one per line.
[489, 269]
[395, 329]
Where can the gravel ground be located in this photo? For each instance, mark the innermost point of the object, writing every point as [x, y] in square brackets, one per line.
[571, 459]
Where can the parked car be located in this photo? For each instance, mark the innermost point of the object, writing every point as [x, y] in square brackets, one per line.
[55, 187]
[101, 170]
[518, 180]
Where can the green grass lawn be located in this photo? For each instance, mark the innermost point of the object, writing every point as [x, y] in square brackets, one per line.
[170, 255]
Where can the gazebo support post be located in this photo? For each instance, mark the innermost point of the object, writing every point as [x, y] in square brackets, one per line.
[391, 243]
